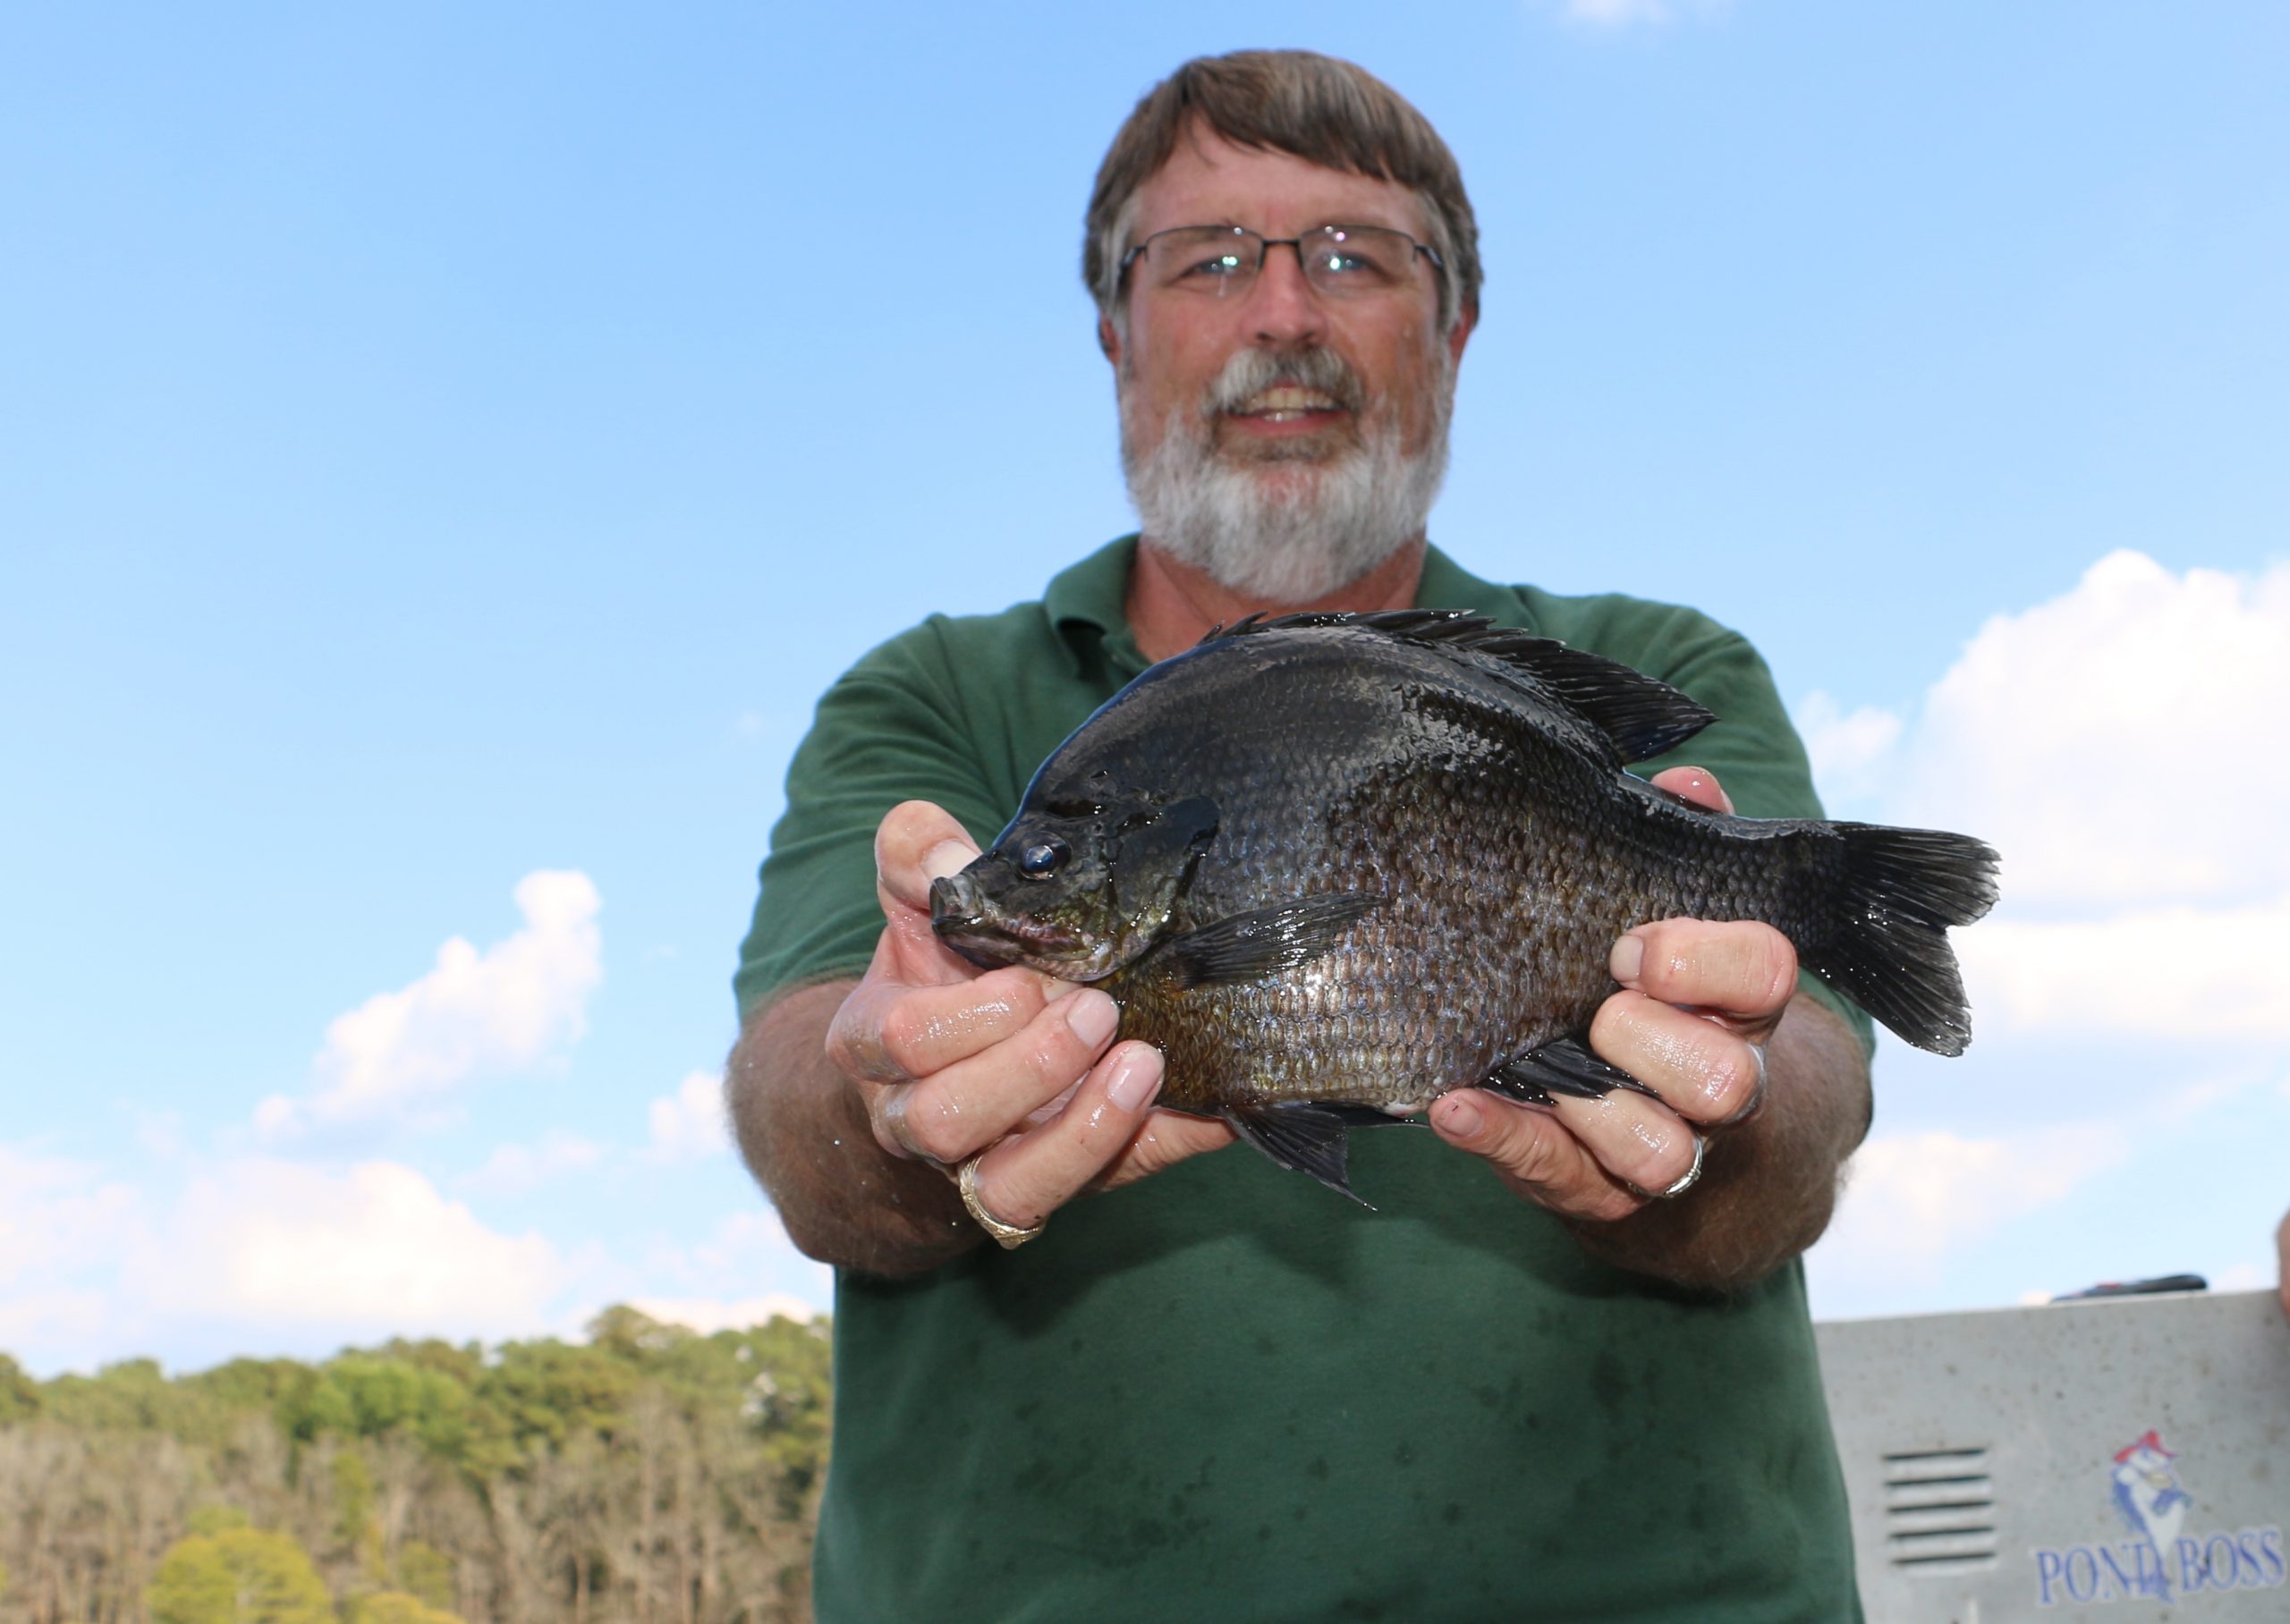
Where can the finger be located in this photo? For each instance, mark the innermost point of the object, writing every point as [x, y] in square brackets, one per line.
[1025, 1179]
[915, 844]
[1739, 968]
[1695, 784]
[964, 1107]
[1702, 1070]
[1535, 1153]
[1166, 1139]
[1638, 1140]
[889, 1032]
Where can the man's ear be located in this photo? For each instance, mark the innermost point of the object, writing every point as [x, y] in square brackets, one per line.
[1109, 341]
[1458, 335]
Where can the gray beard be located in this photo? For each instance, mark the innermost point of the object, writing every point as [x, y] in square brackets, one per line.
[1285, 546]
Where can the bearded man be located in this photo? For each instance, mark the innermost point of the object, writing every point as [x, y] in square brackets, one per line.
[1567, 1371]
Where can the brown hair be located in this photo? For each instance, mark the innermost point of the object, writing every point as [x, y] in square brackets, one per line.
[1318, 108]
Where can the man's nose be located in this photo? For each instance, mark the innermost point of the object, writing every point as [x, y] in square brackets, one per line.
[1282, 308]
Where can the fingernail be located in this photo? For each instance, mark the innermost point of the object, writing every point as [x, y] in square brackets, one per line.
[1628, 958]
[1134, 1080]
[946, 858]
[1459, 1117]
[1093, 1016]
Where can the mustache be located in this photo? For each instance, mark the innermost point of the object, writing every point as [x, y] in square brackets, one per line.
[1251, 372]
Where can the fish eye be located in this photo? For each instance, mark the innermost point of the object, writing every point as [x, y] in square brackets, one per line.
[1042, 858]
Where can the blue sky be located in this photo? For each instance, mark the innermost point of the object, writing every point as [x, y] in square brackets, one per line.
[441, 450]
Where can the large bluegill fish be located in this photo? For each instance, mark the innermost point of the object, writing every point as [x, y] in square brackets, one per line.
[1336, 864]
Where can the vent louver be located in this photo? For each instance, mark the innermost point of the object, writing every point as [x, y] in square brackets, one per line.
[1939, 1512]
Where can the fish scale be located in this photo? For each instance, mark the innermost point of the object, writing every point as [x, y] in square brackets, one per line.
[1335, 864]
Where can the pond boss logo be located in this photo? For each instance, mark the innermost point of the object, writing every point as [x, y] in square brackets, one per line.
[2162, 1562]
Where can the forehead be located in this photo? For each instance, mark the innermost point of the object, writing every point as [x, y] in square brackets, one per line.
[1209, 181]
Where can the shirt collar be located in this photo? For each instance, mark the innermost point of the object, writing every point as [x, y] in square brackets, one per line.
[1085, 604]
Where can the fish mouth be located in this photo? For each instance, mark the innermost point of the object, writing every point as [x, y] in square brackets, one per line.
[962, 930]
[962, 920]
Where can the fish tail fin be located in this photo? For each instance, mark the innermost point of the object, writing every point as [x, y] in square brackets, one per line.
[1884, 939]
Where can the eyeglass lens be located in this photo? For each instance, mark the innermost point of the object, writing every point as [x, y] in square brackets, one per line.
[1339, 261]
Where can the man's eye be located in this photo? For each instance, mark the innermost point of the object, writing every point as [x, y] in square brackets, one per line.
[1213, 268]
[1352, 264]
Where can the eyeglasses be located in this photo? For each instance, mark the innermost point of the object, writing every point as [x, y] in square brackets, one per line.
[1344, 261]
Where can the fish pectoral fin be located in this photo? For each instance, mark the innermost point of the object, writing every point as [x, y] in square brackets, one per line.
[1563, 1066]
[1305, 1139]
[1264, 941]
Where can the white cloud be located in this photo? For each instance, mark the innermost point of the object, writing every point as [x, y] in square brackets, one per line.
[1914, 1198]
[514, 1170]
[1843, 745]
[514, 1005]
[370, 1250]
[1611, 13]
[57, 1216]
[2114, 744]
[745, 1259]
[707, 1314]
[690, 1123]
[2175, 972]
[1627, 13]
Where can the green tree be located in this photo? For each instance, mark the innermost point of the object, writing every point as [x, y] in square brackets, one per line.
[241, 1575]
[19, 1393]
[788, 1401]
[426, 1572]
[397, 1607]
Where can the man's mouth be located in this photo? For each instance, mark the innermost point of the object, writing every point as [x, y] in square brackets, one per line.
[1287, 403]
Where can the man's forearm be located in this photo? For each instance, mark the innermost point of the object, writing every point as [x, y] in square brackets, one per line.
[805, 1132]
[1768, 1186]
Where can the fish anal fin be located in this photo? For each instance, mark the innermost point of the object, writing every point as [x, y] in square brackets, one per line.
[1563, 1066]
[1263, 941]
[1303, 1138]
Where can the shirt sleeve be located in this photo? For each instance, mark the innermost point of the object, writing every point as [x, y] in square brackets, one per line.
[891, 729]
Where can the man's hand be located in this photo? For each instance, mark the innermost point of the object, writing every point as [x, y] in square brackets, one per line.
[854, 1103]
[951, 1063]
[1700, 1019]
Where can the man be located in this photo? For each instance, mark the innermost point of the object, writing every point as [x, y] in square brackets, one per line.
[1576, 1381]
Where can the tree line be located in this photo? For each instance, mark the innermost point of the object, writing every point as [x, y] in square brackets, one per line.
[650, 1474]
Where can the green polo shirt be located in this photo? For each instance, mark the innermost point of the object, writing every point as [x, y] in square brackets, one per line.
[1224, 1392]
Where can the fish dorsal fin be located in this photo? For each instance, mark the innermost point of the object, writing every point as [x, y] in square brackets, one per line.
[1643, 716]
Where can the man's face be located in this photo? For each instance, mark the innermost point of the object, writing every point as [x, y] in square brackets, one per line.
[1288, 464]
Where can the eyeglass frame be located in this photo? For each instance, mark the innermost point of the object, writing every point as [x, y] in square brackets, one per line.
[1264, 245]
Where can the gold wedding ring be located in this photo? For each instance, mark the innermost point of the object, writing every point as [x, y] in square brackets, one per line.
[1009, 1235]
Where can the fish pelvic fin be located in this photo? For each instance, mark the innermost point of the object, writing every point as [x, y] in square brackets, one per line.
[1308, 1137]
[1263, 941]
[1563, 1066]
[1883, 940]
[1641, 717]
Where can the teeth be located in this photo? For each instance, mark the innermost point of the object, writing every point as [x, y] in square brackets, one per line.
[1285, 398]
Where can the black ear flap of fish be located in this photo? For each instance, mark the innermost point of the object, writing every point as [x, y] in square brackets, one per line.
[1640, 715]
[1309, 1136]
[1172, 834]
[1263, 941]
[1565, 1066]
